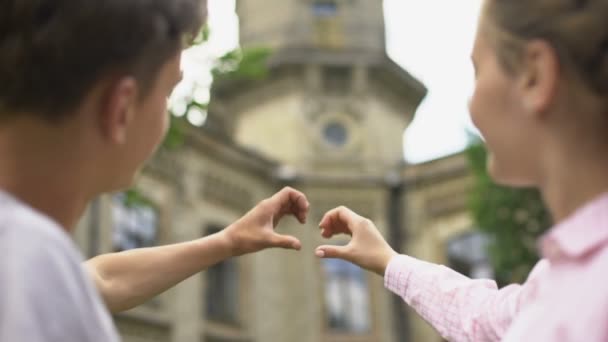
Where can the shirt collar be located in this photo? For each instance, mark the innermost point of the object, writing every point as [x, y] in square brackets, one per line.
[579, 234]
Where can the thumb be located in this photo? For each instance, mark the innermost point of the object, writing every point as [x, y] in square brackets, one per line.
[340, 252]
[285, 241]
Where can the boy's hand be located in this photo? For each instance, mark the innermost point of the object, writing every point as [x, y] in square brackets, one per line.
[367, 248]
[256, 230]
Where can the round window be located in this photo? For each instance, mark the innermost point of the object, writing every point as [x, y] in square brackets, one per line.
[335, 133]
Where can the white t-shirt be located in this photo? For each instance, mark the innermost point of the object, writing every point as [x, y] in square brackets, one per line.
[45, 292]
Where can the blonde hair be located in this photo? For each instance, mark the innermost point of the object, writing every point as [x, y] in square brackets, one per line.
[576, 29]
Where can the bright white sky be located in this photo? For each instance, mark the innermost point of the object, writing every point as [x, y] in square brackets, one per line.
[431, 39]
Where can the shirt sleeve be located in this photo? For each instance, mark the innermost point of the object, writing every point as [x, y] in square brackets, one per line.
[459, 308]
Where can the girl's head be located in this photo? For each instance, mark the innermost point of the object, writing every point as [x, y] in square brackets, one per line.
[541, 84]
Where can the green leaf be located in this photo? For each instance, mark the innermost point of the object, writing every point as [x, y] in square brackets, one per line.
[175, 136]
[202, 36]
[134, 198]
[512, 218]
[245, 64]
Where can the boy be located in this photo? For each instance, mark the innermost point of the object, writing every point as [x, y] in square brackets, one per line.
[83, 89]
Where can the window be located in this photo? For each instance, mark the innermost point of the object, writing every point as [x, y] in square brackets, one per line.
[222, 290]
[337, 80]
[335, 133]
[346, 297]
[136, 222]
[324, 8]
[468, 255]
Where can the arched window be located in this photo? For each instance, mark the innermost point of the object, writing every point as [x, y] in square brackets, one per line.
[222, 289]
[467, 254]
[135, 223]
[324, 8]
[346, 297]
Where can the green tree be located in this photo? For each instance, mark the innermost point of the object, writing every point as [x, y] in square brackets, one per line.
[512, 218]
[243, 64]
[238, 64]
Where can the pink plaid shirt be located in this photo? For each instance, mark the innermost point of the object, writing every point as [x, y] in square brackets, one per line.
[565, 297]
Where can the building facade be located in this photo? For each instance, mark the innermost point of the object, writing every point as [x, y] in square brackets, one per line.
[328, 120]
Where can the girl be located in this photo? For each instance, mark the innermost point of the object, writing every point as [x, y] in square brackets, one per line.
[540, 103]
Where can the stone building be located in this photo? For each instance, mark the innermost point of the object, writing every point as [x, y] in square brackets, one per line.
[328, 121]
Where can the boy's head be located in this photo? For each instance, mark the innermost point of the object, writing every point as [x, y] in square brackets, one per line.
[107, 64]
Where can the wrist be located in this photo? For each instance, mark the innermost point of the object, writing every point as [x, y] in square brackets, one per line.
[384, 261]
[228, 242]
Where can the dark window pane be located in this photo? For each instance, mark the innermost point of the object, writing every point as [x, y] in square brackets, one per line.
[324, 8]
[346, 297]
[337, 80]
[335, 133]
[468, 254]
[135, 224]
[222, 291]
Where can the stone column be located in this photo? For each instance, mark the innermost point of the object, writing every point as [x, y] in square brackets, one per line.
[286, 291]
[186, 298]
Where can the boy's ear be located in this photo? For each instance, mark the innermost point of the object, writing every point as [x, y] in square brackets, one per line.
[119, 110]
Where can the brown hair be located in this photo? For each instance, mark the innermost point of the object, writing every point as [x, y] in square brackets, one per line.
[576, 29]
[53, 51]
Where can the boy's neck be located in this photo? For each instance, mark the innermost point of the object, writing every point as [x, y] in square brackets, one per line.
[41, 166]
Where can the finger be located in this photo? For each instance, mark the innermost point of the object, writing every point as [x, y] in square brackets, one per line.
[326, 219]
[337, 215]
[338, 221]
[334, 228]
[285, 241]
[339, 252]
[330, 226]
[301, 208]
[328, 233]
[290, 202]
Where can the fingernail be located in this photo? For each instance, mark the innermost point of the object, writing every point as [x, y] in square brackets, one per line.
[319, 253]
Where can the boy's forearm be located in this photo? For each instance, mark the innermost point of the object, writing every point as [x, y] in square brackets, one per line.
[130, 278]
